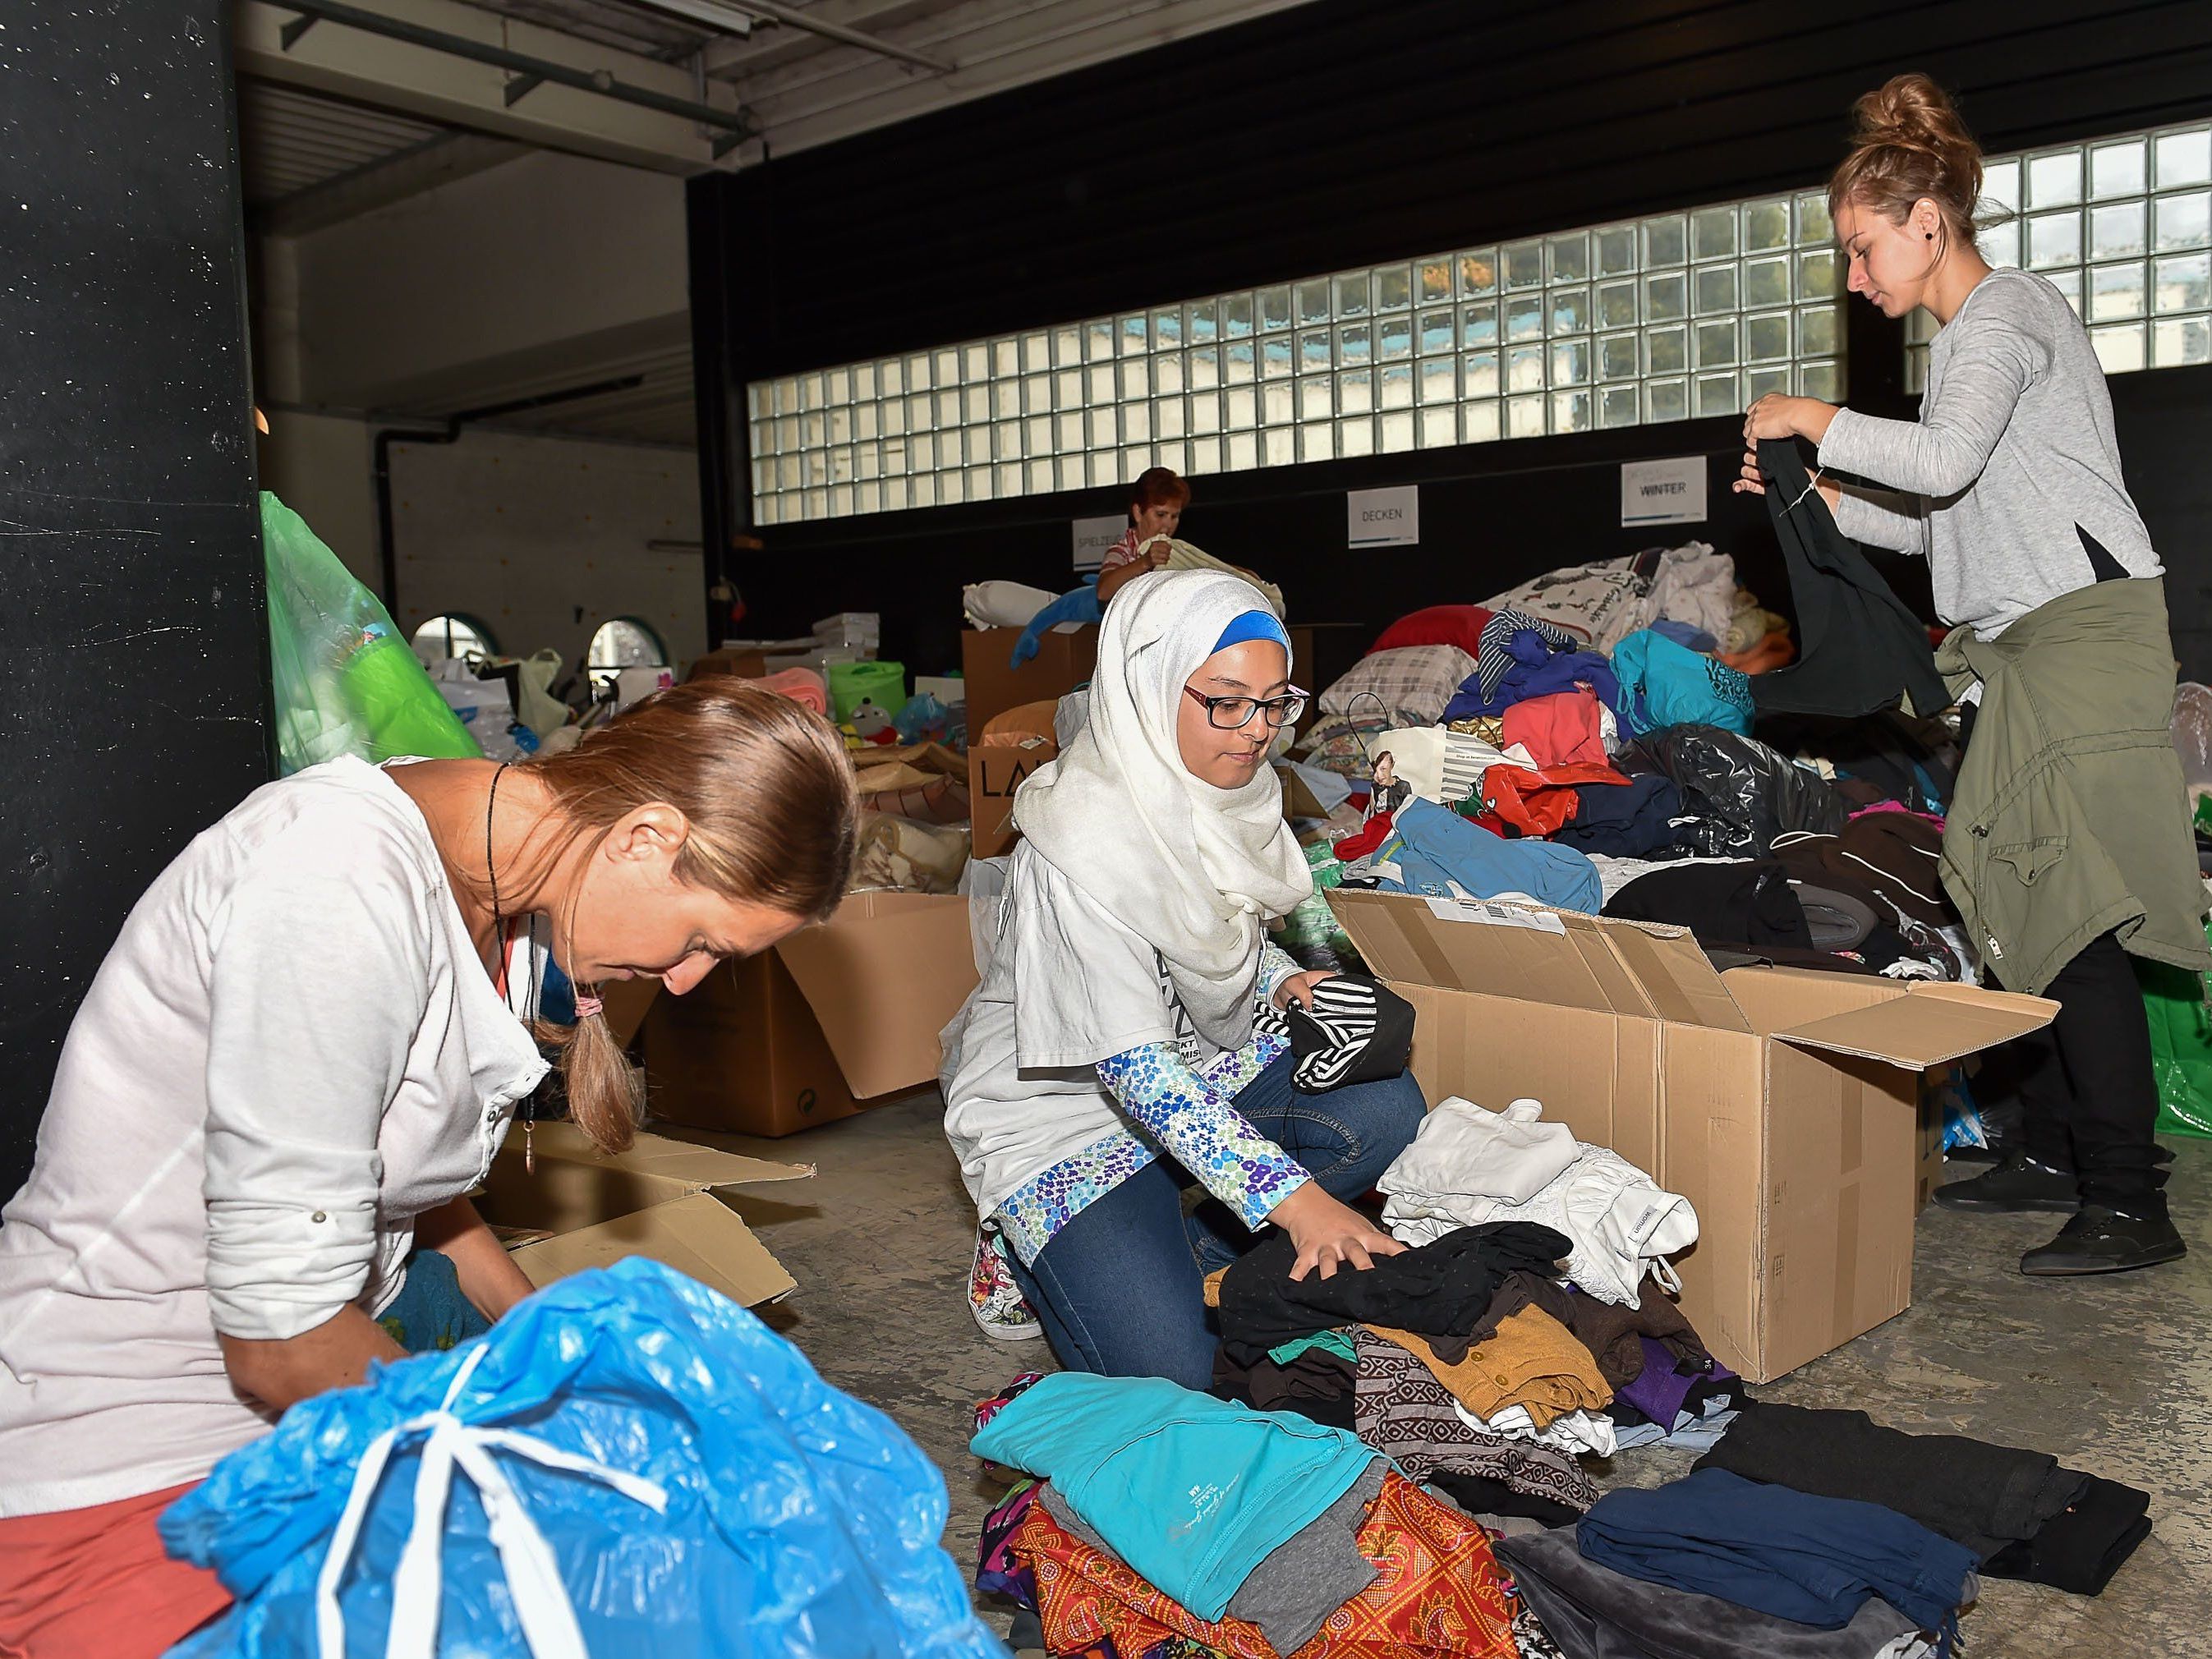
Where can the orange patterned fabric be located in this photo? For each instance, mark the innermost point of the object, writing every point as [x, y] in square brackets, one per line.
[1440, 1595]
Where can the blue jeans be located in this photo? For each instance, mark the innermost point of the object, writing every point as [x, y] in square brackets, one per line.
[1121, 1289]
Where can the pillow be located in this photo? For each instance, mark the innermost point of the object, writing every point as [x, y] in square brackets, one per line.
[1440, 624]
[1415, 681]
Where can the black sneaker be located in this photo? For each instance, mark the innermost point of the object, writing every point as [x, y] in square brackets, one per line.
[2017, 1184]
[2102, 1241]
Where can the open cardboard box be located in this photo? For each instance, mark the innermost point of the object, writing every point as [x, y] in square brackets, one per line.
[661, 1199]
[1783, 1104]
[1063, 662]
[833, 1017]
[993, 775]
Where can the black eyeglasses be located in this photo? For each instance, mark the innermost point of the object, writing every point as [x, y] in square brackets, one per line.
[1234, 713]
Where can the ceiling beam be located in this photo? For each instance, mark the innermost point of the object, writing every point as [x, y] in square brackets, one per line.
[390, 179]
[766, 49]
[833, 93]
[728, 19]
[467, 67]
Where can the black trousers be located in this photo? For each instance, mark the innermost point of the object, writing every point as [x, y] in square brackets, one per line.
[2088, 1098]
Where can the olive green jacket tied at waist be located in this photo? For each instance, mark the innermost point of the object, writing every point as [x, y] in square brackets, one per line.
[2070, 817]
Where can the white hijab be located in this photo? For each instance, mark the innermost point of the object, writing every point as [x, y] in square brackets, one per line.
[1189, 868]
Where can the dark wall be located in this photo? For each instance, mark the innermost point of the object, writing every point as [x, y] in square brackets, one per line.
[2164, 420]
[1339, 134]
[130, 585]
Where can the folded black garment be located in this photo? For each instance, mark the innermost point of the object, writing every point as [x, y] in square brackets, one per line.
[1726, 904]
[1982, 1496]
[1479, 1494]
[1357, 1031]
[1320, 1387]
[1594, 1612]
[1438, 1290]
[2081, 1548]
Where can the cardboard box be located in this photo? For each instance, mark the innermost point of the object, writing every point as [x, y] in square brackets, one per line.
[748, 665]
[743, 1052]
[661, 1199]
[1298, 801]
[1063, 662]
[883, 978]
[1783, 1104]
[993, 775]
[833, 1017]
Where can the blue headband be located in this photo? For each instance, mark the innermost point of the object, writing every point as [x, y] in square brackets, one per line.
[1252, 625]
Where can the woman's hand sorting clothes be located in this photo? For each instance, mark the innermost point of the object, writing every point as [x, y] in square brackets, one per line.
[1329, 1234]
[1299, 987]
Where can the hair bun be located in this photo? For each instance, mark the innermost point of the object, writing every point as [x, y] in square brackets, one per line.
[1912, 111]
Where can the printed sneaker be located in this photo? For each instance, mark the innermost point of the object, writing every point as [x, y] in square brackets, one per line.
[994, 1299]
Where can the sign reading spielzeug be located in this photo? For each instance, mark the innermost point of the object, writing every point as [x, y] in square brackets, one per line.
[1383, 518]
[1671, 491]
[1093, 536]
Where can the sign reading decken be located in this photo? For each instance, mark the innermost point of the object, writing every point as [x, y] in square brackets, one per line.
[1383, 518]
[1093, 536]
[1664, 492]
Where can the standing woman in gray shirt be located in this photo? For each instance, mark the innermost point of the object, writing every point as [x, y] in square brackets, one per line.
[2068, 848]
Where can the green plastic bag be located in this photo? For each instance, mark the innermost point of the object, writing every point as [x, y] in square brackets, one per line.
[852, 683]
[2180, 1045]
[346, 684]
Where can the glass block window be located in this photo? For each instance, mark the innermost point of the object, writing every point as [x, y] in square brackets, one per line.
[1662, 318]
[2123, 227]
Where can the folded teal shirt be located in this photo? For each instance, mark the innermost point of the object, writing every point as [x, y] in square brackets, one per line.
[1192, 1492]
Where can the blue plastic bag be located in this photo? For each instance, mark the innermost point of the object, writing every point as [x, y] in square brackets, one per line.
[923, 719]
[695, 1490]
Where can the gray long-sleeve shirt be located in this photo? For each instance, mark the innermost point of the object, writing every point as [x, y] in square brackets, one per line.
[2013, 449]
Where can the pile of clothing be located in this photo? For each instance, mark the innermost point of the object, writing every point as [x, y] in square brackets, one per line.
[1820, 1534]
[1407, 1460]
[1157, 1521]
[1585, 741]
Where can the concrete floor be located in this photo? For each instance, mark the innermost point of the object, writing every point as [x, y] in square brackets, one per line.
[2113, 1375]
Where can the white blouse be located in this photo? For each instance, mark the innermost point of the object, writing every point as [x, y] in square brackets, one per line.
[291, 1052]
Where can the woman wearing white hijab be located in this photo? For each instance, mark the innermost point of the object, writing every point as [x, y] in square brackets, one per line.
[1124, 1043]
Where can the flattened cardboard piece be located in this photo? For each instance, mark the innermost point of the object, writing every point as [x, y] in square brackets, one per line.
[931, 757]
[1930, 1023]
[884, 976]
[575, 1186]
[700, 1235]
[661, 1199]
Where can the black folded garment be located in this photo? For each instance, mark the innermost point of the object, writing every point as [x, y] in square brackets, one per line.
[2081, 1548]
[1479, 1494]
[1318, 1386]
[1357, 1031]
[1438, 1290]
[2021, 1511]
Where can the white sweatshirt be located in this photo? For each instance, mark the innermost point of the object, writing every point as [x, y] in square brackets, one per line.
[291, 1052]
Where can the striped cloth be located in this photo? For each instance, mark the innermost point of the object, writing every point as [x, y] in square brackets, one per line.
[1494, 659]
